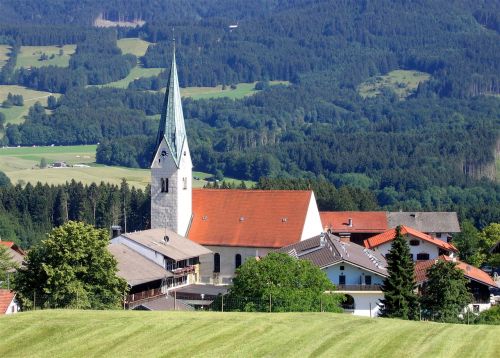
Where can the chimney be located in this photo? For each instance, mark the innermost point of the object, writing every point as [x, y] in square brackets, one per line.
[349, 222]
[116, 230]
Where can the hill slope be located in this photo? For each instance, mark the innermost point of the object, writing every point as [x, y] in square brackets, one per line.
[126, 333]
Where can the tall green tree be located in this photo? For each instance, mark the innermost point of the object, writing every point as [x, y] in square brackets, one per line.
[445, 294]
[71, 268]
[468, 244]
[288, 284]
[400, 299]
[6, 265]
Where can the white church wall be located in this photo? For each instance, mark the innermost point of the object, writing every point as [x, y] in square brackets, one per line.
[312, 222]
[227, 262]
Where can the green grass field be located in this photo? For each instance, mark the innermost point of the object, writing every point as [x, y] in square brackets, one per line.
[242, 90]
[402, 82]
[29, 56]
[4, 51]
[135, 73]
[22, 164]
[62, 333]
[16, 114]
[135, 46]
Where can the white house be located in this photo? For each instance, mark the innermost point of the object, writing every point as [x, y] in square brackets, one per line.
[422, 246]
[356, 271]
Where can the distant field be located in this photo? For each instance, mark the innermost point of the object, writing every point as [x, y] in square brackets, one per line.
[30, 56]
[135, 73]
[242, 90]
[15, 114]
[402, 82]
[21, 164]
[135, 46]
[67, 333]
[200, 183]
[4, 50]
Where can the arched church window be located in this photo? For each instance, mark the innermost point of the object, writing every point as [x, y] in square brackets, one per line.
[216, 262]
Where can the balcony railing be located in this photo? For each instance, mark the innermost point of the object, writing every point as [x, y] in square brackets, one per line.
[139, 296]
[358, 287]
[182, 271]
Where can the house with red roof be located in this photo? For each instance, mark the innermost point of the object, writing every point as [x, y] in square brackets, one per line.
[361, 225]
[479, 285]
[356, 226]
[8, 302]
[422, 246]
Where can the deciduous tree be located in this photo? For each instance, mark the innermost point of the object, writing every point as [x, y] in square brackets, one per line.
[285, 283]
[445, 294]
[71, 268]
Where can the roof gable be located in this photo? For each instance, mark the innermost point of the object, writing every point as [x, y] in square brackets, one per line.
[471, 272]
[248, 218]
[361, 221]
[327, 250]
[6, 297]
[177, 248]
[389, 235]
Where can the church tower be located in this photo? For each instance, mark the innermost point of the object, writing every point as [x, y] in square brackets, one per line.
[171, 168]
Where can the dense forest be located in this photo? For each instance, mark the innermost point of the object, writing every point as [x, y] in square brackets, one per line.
[434, 150]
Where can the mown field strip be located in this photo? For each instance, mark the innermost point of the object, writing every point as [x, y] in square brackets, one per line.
[68, 333]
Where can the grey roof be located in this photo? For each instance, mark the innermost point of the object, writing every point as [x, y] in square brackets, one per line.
[327, 250]
[172, 118]
[428, 222]
[135, 268]
[164, 303]
[177, 248]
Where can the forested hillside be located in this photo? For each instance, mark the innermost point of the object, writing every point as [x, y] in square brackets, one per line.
[432, 149]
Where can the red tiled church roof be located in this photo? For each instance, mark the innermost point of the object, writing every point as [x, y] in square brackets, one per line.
[6, 298]
[248, 218]
[471, 272]
[362, 221]
[388, 236]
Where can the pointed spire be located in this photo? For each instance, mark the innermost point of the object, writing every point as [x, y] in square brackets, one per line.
[172, 118]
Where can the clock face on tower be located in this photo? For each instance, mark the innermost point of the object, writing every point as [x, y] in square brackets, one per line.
[164, 153]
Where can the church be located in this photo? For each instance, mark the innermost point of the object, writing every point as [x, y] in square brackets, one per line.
[221, 227]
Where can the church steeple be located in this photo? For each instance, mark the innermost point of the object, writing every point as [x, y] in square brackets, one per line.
[171, 168]
[172, 118]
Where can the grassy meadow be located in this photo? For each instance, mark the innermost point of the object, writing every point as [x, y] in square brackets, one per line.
[134, 46]
[16, 114]
[66, 333]
[21, 164]
[136, 73]
[402, 82]
[29, 56]
[242, 90]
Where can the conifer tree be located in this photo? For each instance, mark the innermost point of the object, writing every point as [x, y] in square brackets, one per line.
[445, 293]
[400, 299]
